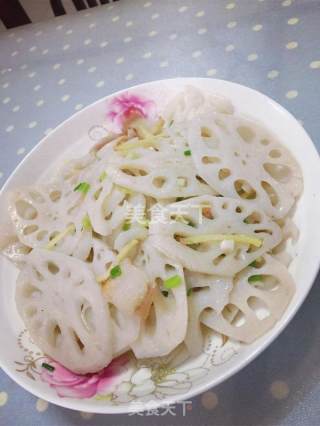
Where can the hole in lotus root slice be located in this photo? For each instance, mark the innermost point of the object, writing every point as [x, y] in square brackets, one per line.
[225, 206]
[210, 160]
[54, 334]
[280, 172]
[41, 235]
[30, 229]
[206, 132]
[275, 153]
[259, 307]
[271, 193]
[239, 319]
[108, 216]
[55, 196]
[159, 181]
[224, 173]
[207, 309]
[266, 282]
[253, 218]
[133, 171]
[78, 341]
[53, 268]
[246, 133]
[169, 269]
[206, 211]
[86, 313]
[218, 259]
[25, 210]
[265, 141]
[229, 312]
[258, 263]
[90, 256]
[263, 231]
[244, 189]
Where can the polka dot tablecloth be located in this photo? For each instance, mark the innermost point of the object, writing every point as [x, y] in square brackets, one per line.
[50, 70]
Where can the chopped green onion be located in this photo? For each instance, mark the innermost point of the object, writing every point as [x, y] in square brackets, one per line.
[82, 187]
[189, 292]
[165, 293]
[86, 224]
[115, 271]
[126, 226]
[187, 153]
[254, 278]
[102, 176]
[173, 281]
[47, 366]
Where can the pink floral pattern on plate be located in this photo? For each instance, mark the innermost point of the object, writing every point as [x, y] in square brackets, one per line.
[123, 107]
[72, 385]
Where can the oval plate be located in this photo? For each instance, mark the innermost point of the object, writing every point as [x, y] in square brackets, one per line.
[149, 384]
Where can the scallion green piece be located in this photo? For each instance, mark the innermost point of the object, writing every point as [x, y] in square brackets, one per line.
[86, 224]
[115, 271]
[102, 176]
[187, 152]
[82, 187]
[47, 366]
[255, 278]
[126, 226]
[173, 281]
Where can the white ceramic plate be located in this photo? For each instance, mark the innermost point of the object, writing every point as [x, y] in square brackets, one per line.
[151, 383]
